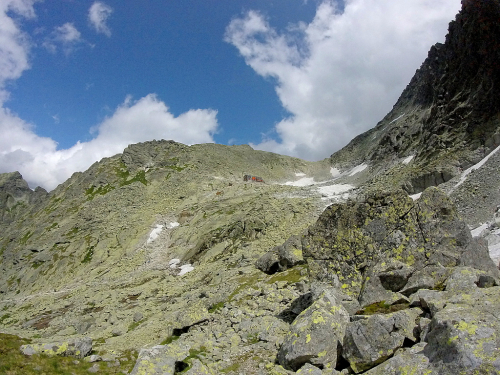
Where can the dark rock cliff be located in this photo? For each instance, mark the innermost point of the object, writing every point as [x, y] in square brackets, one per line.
[448, 115]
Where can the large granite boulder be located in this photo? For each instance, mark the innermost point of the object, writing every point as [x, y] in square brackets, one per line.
[373, 340]
[388, 243]
[315, 334]
[160, 359]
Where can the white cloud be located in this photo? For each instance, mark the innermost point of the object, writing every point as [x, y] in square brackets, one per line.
[41, 164]
[98, 15]
[14, 44]
[37, 158]
[340, 74]
[67, 36]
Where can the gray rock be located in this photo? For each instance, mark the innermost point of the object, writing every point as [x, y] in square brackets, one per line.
[371, 341]
[268, 263]
[160, 359]
[198, 368]
[393, 274]
[93, 358]
[95, 368]
[315, 335]
[334, 295]
[138, 316]
[411, 361]
[430, 277]
[83, 326]
[429, 300]
[463, 338]
[290, 253]
[423, 326]
[77, 347]
[309, 369]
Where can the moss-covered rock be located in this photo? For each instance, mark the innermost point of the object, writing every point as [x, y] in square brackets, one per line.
[315, 335]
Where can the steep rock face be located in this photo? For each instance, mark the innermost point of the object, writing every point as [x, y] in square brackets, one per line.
[447, 118]
[16, 196]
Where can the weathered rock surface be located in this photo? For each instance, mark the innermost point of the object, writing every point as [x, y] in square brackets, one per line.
[161, 359]
[389, 238]
[371, 341]
[77, 347]
[315, 335]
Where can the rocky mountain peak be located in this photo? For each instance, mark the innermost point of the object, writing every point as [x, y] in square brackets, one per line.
[447, 118]
[16, 195]
[460, 78]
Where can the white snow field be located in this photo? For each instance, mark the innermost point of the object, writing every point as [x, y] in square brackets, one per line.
[357, 169]
[465, 173]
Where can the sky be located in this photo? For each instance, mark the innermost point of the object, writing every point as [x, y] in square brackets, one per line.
[81, 79]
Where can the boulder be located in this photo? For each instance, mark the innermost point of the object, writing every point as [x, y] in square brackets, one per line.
[282, 257]
[290, 253]
[464, 339]
[387, 243]
[268, 263]
[160, 359]
[373, 340]
[315, 335]
[78, 347]
[309, 369]
[410, 361]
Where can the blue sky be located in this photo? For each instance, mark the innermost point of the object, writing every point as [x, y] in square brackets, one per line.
[80, 80]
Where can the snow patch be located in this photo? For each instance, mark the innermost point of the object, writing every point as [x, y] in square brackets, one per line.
[173, 224]
[333, 190]
[415, 196]
[465, 173]
[477, 231]
[334, 172]
[408, 159]
[300, 174]
[397, 118]
[185, 269]
[357, 169]
[155, 233]
[306, 181]
[174, 262]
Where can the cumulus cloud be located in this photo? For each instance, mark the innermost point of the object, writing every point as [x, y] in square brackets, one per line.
[340, 74]
[37, 158]
[66, 36]
[41, 164]
[14, 44]
[98, 15]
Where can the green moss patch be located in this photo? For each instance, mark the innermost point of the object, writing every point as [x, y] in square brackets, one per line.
[12, 361]
[216, 307]
[25, 238]
[382, 308]
[134, 325]
[101, 190]
[291, 276]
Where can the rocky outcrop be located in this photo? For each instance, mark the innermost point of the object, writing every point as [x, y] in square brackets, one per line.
[16, 196]
[372, 248]
[417, 274]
